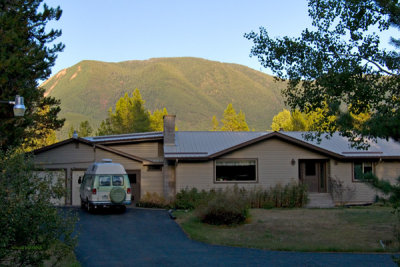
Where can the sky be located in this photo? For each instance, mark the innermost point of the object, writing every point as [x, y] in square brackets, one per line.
[121, 30]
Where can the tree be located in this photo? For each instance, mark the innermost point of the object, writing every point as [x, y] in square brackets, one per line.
[215, 124]
[301, 121]
[287, 121]
[26, 58]
[340, 64]
[84, 129]
[32, 229]
[44, 135]
[231, 121]
[131, 116]
[157, 119]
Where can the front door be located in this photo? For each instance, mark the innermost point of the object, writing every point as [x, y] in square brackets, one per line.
[134, 179]
[313, 174]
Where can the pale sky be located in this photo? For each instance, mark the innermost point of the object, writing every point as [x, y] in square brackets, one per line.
[120, 30]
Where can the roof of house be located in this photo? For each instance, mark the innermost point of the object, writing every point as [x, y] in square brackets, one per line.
[207, 145]
[124, 138]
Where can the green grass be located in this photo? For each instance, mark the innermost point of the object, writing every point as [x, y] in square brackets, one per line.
[194, 89]
[340, 229]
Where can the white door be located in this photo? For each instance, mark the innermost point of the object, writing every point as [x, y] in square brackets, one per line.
[76, 200]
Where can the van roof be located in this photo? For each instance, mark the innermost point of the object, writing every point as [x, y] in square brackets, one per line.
[105, 168]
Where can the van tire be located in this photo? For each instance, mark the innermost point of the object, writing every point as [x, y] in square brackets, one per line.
[117, 195]
[89, 207]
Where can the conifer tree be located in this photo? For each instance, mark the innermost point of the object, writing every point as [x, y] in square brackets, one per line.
[215, 124]
[157, 119]
[27, 55]
[131, 116]
[231, 121]
[84, 129]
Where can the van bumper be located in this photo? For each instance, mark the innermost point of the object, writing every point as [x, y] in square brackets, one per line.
[107, 203]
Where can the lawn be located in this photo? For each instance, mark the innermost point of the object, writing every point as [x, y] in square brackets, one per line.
[355, 229]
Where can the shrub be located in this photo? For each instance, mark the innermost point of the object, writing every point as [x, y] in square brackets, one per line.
[190, 199]
[224, 208]
[32, 229]
[152, 200]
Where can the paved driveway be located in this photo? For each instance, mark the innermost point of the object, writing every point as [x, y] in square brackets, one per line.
[143, 237]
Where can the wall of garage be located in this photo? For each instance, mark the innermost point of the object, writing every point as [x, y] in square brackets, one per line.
[75, 157]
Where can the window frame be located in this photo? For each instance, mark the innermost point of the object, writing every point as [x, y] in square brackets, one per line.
[362, 168]
[235, 182]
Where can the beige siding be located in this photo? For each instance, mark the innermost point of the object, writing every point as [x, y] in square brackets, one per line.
[151, 182]
[389, 170]
[198, 175]
[144, 150]
[353, 191]
[274, 166]
[68, 154]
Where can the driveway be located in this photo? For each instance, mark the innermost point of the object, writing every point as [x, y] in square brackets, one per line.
[143, 237]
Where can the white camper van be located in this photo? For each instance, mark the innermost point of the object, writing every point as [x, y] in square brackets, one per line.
[105, 184]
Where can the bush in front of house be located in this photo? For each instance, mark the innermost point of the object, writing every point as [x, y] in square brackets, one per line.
[152, 200]
[225, 207]
[292, 195]
[189, 199]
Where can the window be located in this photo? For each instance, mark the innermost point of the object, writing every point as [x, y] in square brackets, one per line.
[104, 180]
[310, 168]
[118, 180]
[235, 170]
[361, 168]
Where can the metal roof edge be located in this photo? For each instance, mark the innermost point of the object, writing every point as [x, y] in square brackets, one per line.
[61, 143]
[280, 136]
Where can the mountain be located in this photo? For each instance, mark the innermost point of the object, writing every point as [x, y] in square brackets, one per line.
[194, 89]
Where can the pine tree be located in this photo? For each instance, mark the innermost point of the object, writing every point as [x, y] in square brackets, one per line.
[232, 121]
[131, 116]
[157, 119]
[215, 124]
[27, 57]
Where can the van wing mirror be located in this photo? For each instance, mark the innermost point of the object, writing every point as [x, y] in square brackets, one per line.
[80, 180]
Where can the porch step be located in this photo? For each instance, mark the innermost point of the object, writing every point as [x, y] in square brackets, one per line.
[320, 200]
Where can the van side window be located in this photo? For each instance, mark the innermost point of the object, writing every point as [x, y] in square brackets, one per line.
[118, 180]
[104, 180]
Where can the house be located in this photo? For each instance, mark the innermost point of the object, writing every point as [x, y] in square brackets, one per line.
[166, 162]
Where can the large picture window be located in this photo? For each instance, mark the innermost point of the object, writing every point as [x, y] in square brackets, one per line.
[236, 170]
[361, 168]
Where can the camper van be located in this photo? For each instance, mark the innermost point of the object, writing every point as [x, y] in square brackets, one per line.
[105, 184]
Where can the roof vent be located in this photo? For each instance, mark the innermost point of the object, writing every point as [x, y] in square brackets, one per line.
[106, 160]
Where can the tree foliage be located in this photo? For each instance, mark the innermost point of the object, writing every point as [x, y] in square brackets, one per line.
[231, 121]
[32, 229]
[44, 135]
[26, 57]
[301, 121]
[340, 63]
[131, 116]
[157, 119]
[84, 129]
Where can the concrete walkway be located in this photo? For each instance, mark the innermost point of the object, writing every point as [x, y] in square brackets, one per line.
[143, 237]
